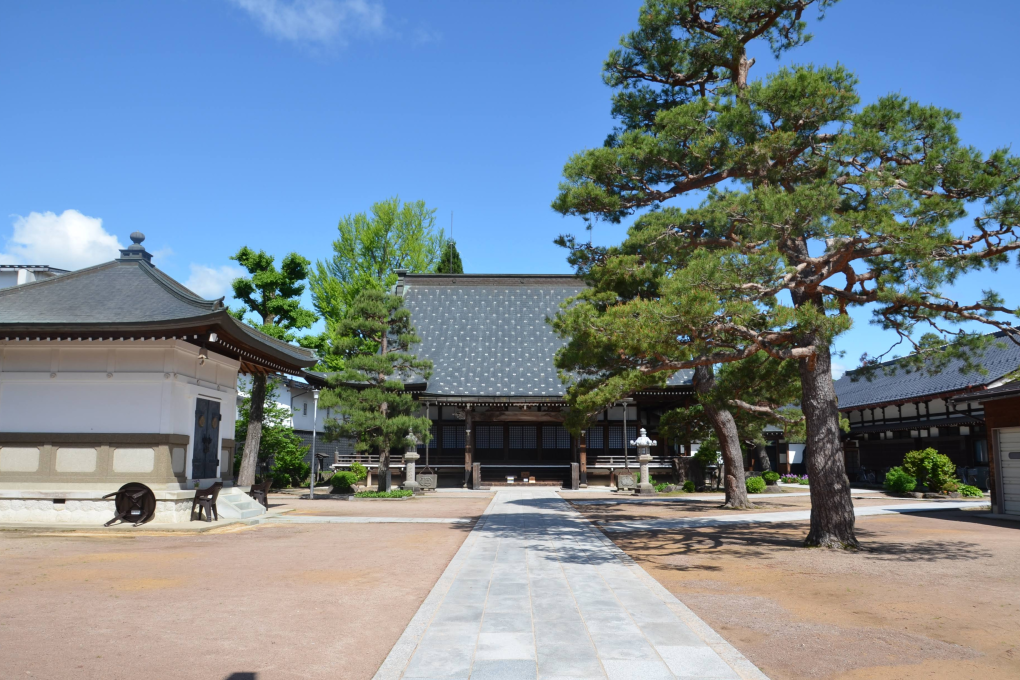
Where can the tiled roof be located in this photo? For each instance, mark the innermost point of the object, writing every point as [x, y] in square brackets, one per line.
[999, 360]
[122, 294]
[487, 335]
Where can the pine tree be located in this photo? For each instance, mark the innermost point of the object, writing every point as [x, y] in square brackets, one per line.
[373, 343]
[274, 296]
[449, 261]
[815, 205]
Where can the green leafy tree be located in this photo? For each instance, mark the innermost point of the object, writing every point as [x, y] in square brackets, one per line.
[270, 300]
[815, 205]
[449, 261]
[278, 442]
[373, 343]
[369, 250]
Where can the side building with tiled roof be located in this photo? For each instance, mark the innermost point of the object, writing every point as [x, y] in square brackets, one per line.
[892, 411]
[495, 398]
[118, 374]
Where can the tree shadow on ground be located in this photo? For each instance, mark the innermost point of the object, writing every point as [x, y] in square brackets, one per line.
[764, 542]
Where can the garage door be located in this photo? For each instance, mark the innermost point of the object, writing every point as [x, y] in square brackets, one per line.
[1009, 469]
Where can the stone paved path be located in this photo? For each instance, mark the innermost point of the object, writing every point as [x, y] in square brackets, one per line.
[537, 592]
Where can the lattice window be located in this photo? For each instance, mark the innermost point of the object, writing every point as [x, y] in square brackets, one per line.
[594, 439]
[523, 437]
[453, 437]
[489, 437]
[555, 437]
[433, 442]
[616, 436]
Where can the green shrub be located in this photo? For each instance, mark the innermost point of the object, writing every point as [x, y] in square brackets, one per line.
[899, 480]
[968, 490]
[755, 484]
[770, 477]
[360, 471]
[931, 468]
[399, 493]
[803, 481]
[688, 486]
[344, 481]
[662, 487]
[290, 468]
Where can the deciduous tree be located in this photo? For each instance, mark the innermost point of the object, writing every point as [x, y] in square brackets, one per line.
[815, 205]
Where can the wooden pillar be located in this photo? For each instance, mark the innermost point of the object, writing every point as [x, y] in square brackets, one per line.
[582, 457]
[469, 448]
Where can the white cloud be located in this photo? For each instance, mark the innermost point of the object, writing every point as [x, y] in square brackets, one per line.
[212, 282]
[315, 21]
[69, 240]
[838, 370]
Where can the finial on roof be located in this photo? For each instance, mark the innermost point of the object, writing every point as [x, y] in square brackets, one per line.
[136, 251]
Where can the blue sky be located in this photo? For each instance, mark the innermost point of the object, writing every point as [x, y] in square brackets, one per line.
[211, 124]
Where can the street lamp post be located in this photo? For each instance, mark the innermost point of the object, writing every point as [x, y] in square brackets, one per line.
[644, 444]
[315, 425]
[410, 457]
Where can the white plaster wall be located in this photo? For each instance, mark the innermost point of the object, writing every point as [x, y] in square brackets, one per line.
[796, 454]
[113, 387]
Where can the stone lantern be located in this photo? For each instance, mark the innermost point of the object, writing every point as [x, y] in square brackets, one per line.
[644, 445]
[410, 456]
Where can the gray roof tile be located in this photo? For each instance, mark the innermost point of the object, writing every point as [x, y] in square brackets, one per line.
[902, 386]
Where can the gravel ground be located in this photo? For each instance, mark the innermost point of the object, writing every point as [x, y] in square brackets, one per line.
[933, 595]
[304, 601]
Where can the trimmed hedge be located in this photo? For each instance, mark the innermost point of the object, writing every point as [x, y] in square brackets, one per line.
[755, 484]
[770, 477]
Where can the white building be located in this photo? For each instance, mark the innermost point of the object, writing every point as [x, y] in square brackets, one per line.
[18, 274]
[297, 397]
[117, 373]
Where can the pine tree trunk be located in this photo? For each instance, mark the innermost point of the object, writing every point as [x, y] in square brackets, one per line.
[832, 509]
[763, 458]
[384, 458]
[252, 440]
[729, 442]
[384, 469]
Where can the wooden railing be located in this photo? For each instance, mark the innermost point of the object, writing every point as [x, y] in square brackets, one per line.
[601, 461]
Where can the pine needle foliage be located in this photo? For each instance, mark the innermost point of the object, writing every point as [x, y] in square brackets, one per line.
[813, 203]
[373, 342]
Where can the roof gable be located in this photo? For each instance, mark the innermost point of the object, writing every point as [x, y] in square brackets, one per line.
[487, 335]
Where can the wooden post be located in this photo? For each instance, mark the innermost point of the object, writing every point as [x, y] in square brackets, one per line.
[582, 455]
[469, 448]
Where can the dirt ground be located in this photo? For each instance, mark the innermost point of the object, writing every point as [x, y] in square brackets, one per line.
[933, 595]
[465, 504]
[630, 509]
[256, 603]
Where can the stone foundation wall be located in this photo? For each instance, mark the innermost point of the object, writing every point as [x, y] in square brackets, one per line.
[90, 512]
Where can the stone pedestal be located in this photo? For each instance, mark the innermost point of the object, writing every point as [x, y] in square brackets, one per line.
[410, 482]
[644, 487]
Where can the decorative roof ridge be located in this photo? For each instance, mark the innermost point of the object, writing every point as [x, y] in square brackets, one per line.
[74, 274]
[487, 279]
[171, 286]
